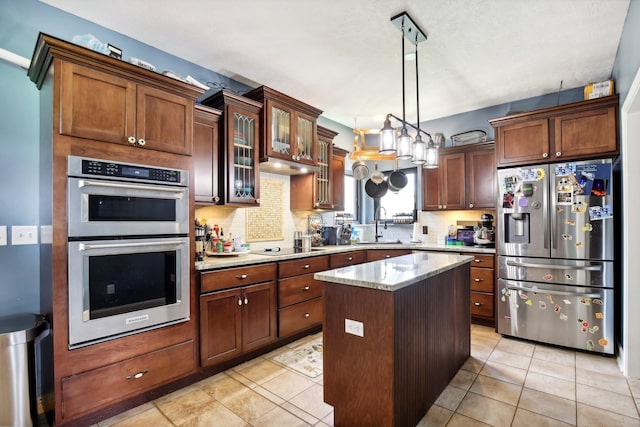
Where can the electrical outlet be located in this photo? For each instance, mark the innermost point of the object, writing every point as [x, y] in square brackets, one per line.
[425, 229]
[3, 235]
[24, 235]
[353, 327]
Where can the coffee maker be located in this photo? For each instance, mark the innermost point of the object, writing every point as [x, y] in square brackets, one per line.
[485, 233]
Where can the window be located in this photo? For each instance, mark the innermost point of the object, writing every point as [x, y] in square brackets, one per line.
[350, 195]
[402, 202]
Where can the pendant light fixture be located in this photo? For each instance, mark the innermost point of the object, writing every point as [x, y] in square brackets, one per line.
[402, 147]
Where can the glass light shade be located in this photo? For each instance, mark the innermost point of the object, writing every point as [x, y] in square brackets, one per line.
[431, 156]
[387, 138]
[419, 151]
[404, 145]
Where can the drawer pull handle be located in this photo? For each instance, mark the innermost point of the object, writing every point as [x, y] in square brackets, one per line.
[477, 260]
[242, 276]
[246, 300]
[141, 142]
[131, 140]
[306, 288]
[349, 258]
[138, 375]
[477, 280]
[305, 266]
[306, 315]
[387, 256]
[477, 304]
[239, 301]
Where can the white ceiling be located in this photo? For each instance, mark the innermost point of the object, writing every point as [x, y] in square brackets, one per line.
[344, 56]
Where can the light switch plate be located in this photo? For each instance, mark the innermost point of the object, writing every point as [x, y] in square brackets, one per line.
[46, 234]
[3, 235]
[354, 327]
[24, 234]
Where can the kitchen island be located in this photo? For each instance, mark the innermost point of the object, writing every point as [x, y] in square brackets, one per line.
[395, 333]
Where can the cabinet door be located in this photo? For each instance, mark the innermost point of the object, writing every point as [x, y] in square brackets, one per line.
[258, 315]
[522, 143]
[305, 139]
[481, 179]
[586, 134]
[431, 190]
[452, 170]
[279, 131]
[164, 120]
[220, 326]
[96, 105]
[243, 186]
[337, 181]
[323, 194]
[205, 158]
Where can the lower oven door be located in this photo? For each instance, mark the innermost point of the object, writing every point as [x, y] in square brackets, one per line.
[570, 316]
[119, 287]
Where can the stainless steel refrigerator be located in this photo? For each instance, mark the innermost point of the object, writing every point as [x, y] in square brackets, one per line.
[555, 254]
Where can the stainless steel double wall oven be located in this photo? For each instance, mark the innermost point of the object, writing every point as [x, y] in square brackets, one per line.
[128, 246]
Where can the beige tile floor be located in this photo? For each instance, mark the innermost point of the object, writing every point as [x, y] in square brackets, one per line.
[505, 382]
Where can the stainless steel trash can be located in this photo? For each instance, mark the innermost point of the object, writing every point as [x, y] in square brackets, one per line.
[18, 405]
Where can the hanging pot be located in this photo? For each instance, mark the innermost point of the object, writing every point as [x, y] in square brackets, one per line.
[397, 180]
[360, 170]
[375, 191]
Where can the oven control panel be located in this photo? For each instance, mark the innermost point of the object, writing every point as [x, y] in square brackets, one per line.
[86, 167]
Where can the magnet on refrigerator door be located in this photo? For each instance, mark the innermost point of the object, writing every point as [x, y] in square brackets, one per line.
[600, 212]
[565, 169]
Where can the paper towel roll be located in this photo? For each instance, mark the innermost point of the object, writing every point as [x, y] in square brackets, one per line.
[417, 232]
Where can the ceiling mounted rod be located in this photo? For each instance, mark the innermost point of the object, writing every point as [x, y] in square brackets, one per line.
[410, 29]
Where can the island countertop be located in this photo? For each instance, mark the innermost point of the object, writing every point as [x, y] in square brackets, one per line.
[394, 273]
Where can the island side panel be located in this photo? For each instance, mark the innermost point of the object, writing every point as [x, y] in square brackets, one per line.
[358, 371]
[432, 324]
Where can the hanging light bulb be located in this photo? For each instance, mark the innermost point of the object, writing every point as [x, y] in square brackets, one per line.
[404, 145]
[432, 156]
[387, 137]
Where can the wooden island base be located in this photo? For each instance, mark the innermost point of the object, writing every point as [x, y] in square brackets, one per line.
[415, 340]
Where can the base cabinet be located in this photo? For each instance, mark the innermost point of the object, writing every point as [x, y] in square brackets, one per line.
[482, 285]
[89, 391]
[380, 254]
[236, 319]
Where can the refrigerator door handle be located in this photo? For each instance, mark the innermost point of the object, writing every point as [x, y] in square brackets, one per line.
[550, 292]
[554, 267]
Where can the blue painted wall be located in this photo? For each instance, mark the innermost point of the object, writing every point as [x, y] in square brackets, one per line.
[20, 23]
[628, 58]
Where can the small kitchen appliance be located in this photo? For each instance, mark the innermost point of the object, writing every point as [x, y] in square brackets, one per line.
[484, 236]
[344, 234]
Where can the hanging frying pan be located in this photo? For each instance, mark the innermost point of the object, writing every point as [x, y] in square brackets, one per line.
[397, 180]
[375, 191]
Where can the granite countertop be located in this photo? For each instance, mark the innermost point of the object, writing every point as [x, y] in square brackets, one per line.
[394, 273]
[237, 260]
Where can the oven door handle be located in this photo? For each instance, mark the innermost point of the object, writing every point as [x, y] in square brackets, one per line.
[550, 292]
[554, 267]
[178, 191]
[89, 246]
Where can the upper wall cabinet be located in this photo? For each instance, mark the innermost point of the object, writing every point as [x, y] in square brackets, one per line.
[580, 130]
[206, 154]
[289, 127]
[321, 189]
[105, 99]
[238, 164]
[465, 179]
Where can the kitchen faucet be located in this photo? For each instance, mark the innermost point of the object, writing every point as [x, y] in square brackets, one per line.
[376, 218]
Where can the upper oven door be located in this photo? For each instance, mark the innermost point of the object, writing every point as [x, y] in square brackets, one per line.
[118, 208]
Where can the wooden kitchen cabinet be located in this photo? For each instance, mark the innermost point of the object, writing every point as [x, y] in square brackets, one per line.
[323, 189]
[289, 127]
[240, 319]
[299, 294]
[482, 283]
[380, 254]
[238, 159]
[579, 130]
[103, 104]
[465, 179]
[206, 149]
[345, 259]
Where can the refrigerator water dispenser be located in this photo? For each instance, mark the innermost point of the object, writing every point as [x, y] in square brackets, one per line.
[517, 228]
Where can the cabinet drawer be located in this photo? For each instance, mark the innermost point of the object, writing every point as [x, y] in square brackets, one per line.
[93, 390]
[482, 279]
[298, 289]
[300, 316]
[380, 254]
[484, 261]
[481, 304]
[346, 258]
[234, 277]
[302, 266]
